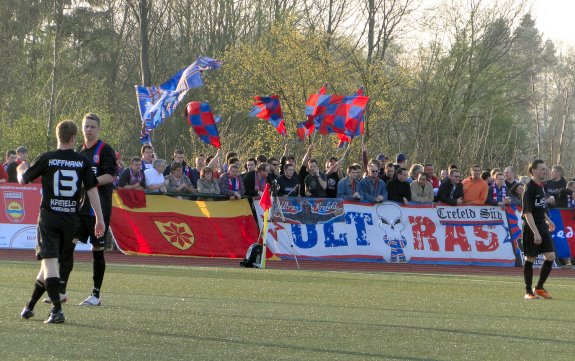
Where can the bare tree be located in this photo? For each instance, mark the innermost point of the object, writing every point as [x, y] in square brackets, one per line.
[385, 22]
[141, 10]
[329, 16]
[565, 85]
[57, 21]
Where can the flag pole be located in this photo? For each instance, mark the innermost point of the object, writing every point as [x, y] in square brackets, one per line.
[264, 239]
[346, 150]
[314, 137]
[266, 204]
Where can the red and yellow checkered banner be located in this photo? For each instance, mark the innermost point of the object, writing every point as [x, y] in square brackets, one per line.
[170, 226]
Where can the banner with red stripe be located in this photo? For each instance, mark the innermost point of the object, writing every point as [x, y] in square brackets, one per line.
[170, 226]
[334, 229]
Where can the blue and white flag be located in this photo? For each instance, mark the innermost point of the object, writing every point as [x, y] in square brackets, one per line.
[158, 103]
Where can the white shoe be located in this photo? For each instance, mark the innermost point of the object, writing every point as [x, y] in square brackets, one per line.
[91, 301]
[63, 298]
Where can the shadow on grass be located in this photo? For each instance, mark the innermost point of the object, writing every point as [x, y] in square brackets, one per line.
[188, 337]
[249, 302]
[519, 337]
[383, 325]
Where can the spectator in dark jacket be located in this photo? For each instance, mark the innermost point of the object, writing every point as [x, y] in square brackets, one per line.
[22, 156]
[255, 181]
[556, 183]
[289, 182]
[133, 177]
[564, 198]
[451, 189]
[398, 189]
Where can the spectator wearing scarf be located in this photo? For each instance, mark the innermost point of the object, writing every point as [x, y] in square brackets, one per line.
[255, 180]
[497, 194]
[231, 185]
[133, 176]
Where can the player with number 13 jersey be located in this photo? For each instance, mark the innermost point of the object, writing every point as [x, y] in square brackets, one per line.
[63, 172]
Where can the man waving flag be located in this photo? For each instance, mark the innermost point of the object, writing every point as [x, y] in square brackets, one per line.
[157, 103]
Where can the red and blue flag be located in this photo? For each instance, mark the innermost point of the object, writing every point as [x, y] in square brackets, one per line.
[269, 108]
[303, 130]
[343, 140]
[313, 100]
[336, 113]
[202, 121]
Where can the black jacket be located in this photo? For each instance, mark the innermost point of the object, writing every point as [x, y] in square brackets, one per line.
[288, 186]
[250, 183]
[444, 193]
[396, 190]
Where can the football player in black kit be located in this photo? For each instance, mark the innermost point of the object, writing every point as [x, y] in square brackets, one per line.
[537, 229]
[102, 160]
[63, 173]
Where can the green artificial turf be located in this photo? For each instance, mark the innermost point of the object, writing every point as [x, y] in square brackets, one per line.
[189, 313]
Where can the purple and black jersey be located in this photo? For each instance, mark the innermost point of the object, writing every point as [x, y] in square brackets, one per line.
[533, 201]
[102, 160]
[63, 173]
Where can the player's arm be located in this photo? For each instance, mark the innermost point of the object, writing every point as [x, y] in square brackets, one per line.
[528, 203]
[105, 179]
[95, 203]
[531, 223]
[26, 174]
[109, 167]
[22, 168]
[550, 223]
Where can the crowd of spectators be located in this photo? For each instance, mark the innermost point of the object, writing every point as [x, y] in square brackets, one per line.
[13, 159]
[373, 181]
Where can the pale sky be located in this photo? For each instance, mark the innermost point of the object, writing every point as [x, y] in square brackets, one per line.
[555, 19]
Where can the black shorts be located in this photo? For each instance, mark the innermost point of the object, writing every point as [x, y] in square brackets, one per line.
[55, 230]
[530, 249]
[85, 231]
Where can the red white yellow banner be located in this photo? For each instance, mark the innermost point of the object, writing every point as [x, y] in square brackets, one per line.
[170, 226]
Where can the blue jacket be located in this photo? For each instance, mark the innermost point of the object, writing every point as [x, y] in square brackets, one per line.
[368, 190]
[344, 189]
